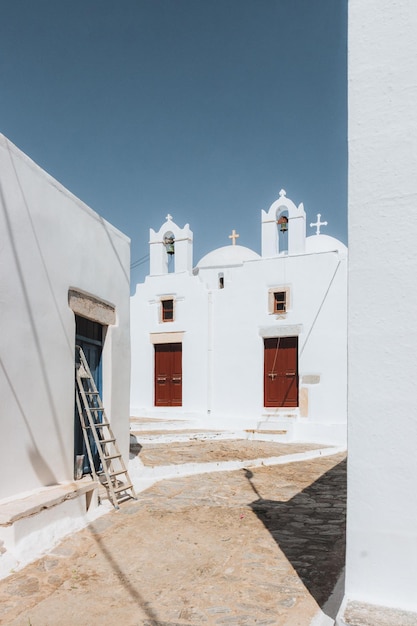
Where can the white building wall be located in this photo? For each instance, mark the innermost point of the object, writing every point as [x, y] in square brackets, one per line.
[317, 313]
[382, 470]
[190, 327]
[50, 242]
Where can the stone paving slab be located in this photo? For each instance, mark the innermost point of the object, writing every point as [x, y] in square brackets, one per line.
[249, 547]
[178, 453]
[362, 614]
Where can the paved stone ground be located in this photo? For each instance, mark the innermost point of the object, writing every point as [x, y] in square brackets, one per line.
[249, 547]
[206, 451]
[359, 614]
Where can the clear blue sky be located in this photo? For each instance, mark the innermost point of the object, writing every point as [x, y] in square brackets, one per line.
[201, 108]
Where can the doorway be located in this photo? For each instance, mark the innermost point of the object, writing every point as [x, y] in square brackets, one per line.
[168, 374]
[281, 372]
[89, 336]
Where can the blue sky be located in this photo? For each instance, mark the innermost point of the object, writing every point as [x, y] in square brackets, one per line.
[201, 108]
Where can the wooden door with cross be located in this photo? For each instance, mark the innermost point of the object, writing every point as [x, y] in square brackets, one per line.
[168, 374]
[281, 372]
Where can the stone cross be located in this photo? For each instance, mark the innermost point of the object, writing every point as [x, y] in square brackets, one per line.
[233, 237]
[168, 217]
[318, 224]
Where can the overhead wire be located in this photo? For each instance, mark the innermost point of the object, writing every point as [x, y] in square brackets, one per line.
[139, 261]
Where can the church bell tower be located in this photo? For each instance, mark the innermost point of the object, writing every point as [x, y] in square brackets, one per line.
[283, 225]
[170, 249]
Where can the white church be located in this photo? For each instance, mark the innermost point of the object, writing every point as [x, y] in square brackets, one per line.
[250, 343]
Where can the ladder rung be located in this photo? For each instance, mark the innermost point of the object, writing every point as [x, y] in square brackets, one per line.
[101, 424]
[107, 440]
[123, 488]
[112, 456]
[117, 472]
[114, 484]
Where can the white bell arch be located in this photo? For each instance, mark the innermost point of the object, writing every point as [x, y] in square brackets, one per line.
[183, 248]
[296, 232]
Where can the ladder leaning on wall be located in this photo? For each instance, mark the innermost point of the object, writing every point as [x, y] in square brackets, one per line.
[111, 471]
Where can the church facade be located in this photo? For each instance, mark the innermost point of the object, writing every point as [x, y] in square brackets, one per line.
[242, 341]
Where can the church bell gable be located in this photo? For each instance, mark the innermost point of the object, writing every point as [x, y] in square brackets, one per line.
[283, 227]
[170, 249]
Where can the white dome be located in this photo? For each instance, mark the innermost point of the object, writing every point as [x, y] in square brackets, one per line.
[226, 256]
[324, 243]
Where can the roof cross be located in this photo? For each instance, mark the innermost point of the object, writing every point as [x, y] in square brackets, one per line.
[318, 224]
[168, 217]
[233, 237]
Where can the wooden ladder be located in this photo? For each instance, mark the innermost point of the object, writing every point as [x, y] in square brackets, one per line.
[112, 472]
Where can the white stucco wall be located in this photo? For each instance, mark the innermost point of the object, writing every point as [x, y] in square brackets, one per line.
[382, 413]
[317, 284]
[50, 242]
[191, 318]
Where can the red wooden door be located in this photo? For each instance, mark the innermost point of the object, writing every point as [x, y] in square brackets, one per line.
[281, 372]
[168, 374]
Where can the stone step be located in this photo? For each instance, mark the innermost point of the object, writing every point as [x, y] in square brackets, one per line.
[373, 615]
[170, 436]
[138, 424]
[279, 418]
[161, 464]
[279, 435]
[157, 430]
[278, 428]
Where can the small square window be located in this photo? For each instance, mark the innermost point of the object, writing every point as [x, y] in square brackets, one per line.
[167, 310]
[280, 301]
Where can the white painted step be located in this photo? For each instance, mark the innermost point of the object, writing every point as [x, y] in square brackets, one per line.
[138, 424]
[183, 436]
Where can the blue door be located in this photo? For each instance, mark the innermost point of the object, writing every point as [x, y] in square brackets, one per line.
[89, 336]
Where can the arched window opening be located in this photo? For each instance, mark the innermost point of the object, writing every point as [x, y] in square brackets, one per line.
[221, 280]
[169, 243]
[283, 227]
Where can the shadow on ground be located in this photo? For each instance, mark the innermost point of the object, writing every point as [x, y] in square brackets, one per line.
[310, 529]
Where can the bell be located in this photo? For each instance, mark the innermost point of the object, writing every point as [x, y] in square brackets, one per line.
[283, 223]
[169, 245]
